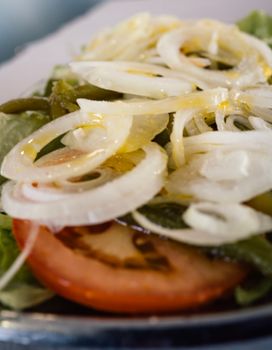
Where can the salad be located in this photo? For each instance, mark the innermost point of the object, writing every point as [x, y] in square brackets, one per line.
[137, 180]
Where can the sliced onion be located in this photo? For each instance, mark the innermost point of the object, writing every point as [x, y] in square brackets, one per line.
[191, 128]
[201, 99]
[181, 118]
[259, 124]
[97, 205]
[63, 189]
[260, 46]
[231, 222]
[134, 78]
[264, 113]
[19, 163]
[203, 179]
[247, 71]
[101, 176]
[229, 123]
[252, 139]
[233, 120]
[201, 124]
[144, 128]
[189, 236]
[212, 224]
[132, 39]
[220, 165]
[220, 120]
[255, 97]
[235, 221]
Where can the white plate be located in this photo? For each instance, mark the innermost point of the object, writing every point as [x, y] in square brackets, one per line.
[37, 60]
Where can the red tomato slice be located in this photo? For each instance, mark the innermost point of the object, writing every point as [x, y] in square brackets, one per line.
[114, 268]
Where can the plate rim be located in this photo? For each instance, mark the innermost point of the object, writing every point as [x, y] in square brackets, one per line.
[38, 320]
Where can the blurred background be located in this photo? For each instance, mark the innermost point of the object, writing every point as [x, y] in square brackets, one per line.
[22, 21]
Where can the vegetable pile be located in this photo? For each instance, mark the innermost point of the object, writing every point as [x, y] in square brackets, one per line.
[160, 127]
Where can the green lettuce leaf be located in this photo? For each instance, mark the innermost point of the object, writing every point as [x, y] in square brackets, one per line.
[255, 251]
[5, 222]
[259, 24]
[24, 296]
[13, 128]
[23, 291]
[253, 290]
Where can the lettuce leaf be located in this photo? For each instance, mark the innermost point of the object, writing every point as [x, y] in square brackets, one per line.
[23, 291]
[24, 296]
[259, 24]
[13, 128]
[253, 290]
[5, 222]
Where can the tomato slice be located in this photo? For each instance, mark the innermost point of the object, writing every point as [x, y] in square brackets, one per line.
[114, 268]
